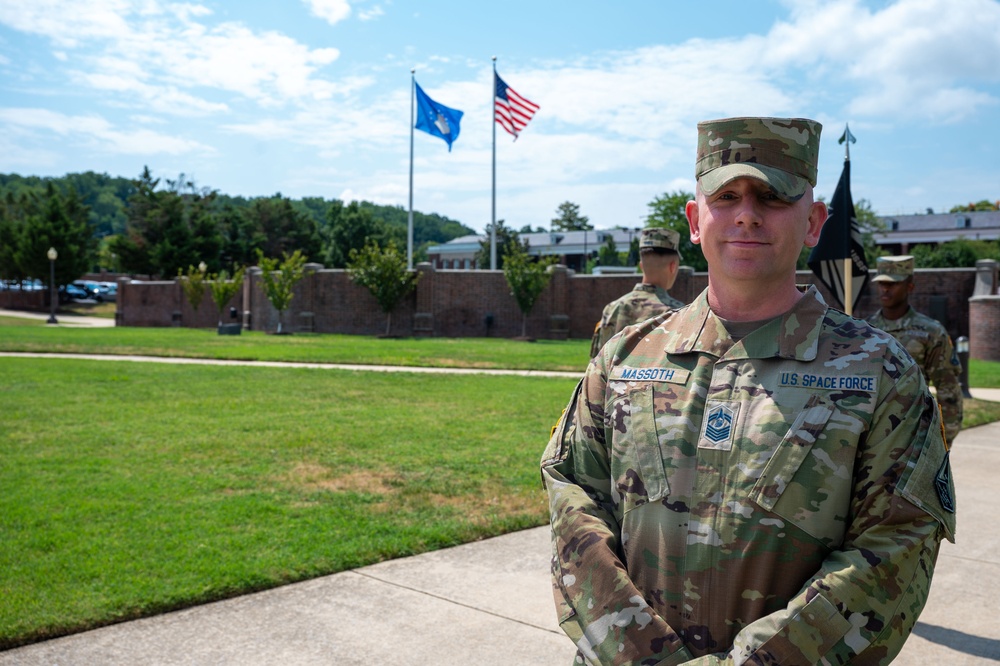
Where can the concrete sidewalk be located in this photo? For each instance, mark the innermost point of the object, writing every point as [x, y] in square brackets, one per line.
[62, 318]
[490, 603]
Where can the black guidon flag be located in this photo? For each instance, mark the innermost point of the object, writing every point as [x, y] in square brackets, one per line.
[839, 240]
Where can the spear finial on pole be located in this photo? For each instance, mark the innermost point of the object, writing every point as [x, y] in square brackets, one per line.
[847, 138]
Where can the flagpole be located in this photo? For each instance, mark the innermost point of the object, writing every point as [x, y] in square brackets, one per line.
[409, 223]
[848, 260]
[493, 216]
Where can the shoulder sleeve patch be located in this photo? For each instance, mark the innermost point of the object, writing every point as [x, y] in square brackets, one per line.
[931, 487]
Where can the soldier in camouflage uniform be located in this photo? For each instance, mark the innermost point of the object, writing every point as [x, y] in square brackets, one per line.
[755, 478]
[925, 338]
[659, 261]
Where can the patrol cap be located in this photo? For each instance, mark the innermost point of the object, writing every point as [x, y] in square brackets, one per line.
[893, 269]
[781, 152]
[660, 237]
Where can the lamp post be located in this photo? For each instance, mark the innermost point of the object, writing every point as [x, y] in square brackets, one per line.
[53, 297]
[962, 349]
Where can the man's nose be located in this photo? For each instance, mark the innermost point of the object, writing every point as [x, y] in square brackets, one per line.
[748, 212]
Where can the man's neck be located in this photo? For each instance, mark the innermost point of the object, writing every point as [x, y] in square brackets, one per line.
[753, 304]
[892, 314]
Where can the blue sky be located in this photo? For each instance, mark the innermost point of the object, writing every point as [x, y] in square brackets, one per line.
[312, 97]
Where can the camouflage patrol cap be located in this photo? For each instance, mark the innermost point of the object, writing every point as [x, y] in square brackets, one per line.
[782, 152]
[660, 237]
[893, 269]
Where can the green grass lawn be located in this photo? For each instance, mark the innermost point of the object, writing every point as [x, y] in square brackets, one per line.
[131, 489]
[567, 355]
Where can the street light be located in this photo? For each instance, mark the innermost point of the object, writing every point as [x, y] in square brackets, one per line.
[52, 255]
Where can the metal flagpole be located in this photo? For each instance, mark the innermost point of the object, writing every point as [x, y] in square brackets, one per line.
[493, 217]
[848, 260]
[409, 223]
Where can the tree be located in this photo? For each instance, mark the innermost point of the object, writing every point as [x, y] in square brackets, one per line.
[193, 284]
[279, 280]
[667, 210]
[57, 221]
[608, 254]
[241, 236]
[280, 227]
[506, 238]
[350, 228]
[168, 227]
[223, 288]
[526, 277]
[633, 252]
[383, 272]
[570, 219]
[983, 205]
[957, 253]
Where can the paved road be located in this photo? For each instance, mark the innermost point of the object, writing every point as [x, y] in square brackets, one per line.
[63, 319]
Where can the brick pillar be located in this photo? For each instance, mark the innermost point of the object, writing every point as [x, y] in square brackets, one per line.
[986, 278]
[305, 298]
[984, 328]
[558, 302]
[423, 313]
[121, 300]
[253, 300]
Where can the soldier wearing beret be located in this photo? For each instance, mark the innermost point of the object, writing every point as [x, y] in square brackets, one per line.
[925, 338]
[659, 261]
[755, 478]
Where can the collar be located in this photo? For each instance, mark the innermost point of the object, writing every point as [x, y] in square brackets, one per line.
[652, 289]
[793, 335]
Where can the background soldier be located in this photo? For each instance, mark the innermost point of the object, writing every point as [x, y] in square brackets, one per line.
[925, 338]
[755, 477]
[659, 261]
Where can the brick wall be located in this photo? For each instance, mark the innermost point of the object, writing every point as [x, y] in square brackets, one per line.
[163, 304]
[984, 328]
[458, 303]
[23, 299]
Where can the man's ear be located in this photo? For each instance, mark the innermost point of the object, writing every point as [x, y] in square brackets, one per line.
[818, 213]
[691, 212]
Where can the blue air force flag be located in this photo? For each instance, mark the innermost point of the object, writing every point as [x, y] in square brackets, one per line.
[436, 119]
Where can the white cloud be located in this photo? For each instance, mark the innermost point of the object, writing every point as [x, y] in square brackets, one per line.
[906, 60]
[136, 47]
[370, 14]
[97, 133]
[331, 11]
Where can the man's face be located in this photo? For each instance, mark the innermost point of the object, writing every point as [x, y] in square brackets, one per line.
[748, 233]
[894, 295]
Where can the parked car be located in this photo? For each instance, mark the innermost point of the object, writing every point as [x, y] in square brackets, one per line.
[110, 290]
[92, 288]
[72, 292]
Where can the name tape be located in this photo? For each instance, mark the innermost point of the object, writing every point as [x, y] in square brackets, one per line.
[669, 375]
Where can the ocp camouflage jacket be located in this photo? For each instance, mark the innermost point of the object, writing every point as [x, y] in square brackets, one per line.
[777, 500]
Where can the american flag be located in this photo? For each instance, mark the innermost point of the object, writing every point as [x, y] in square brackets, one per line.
[510, 109]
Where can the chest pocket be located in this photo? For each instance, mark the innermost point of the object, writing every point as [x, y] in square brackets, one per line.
[805, 482]
[637, 461]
